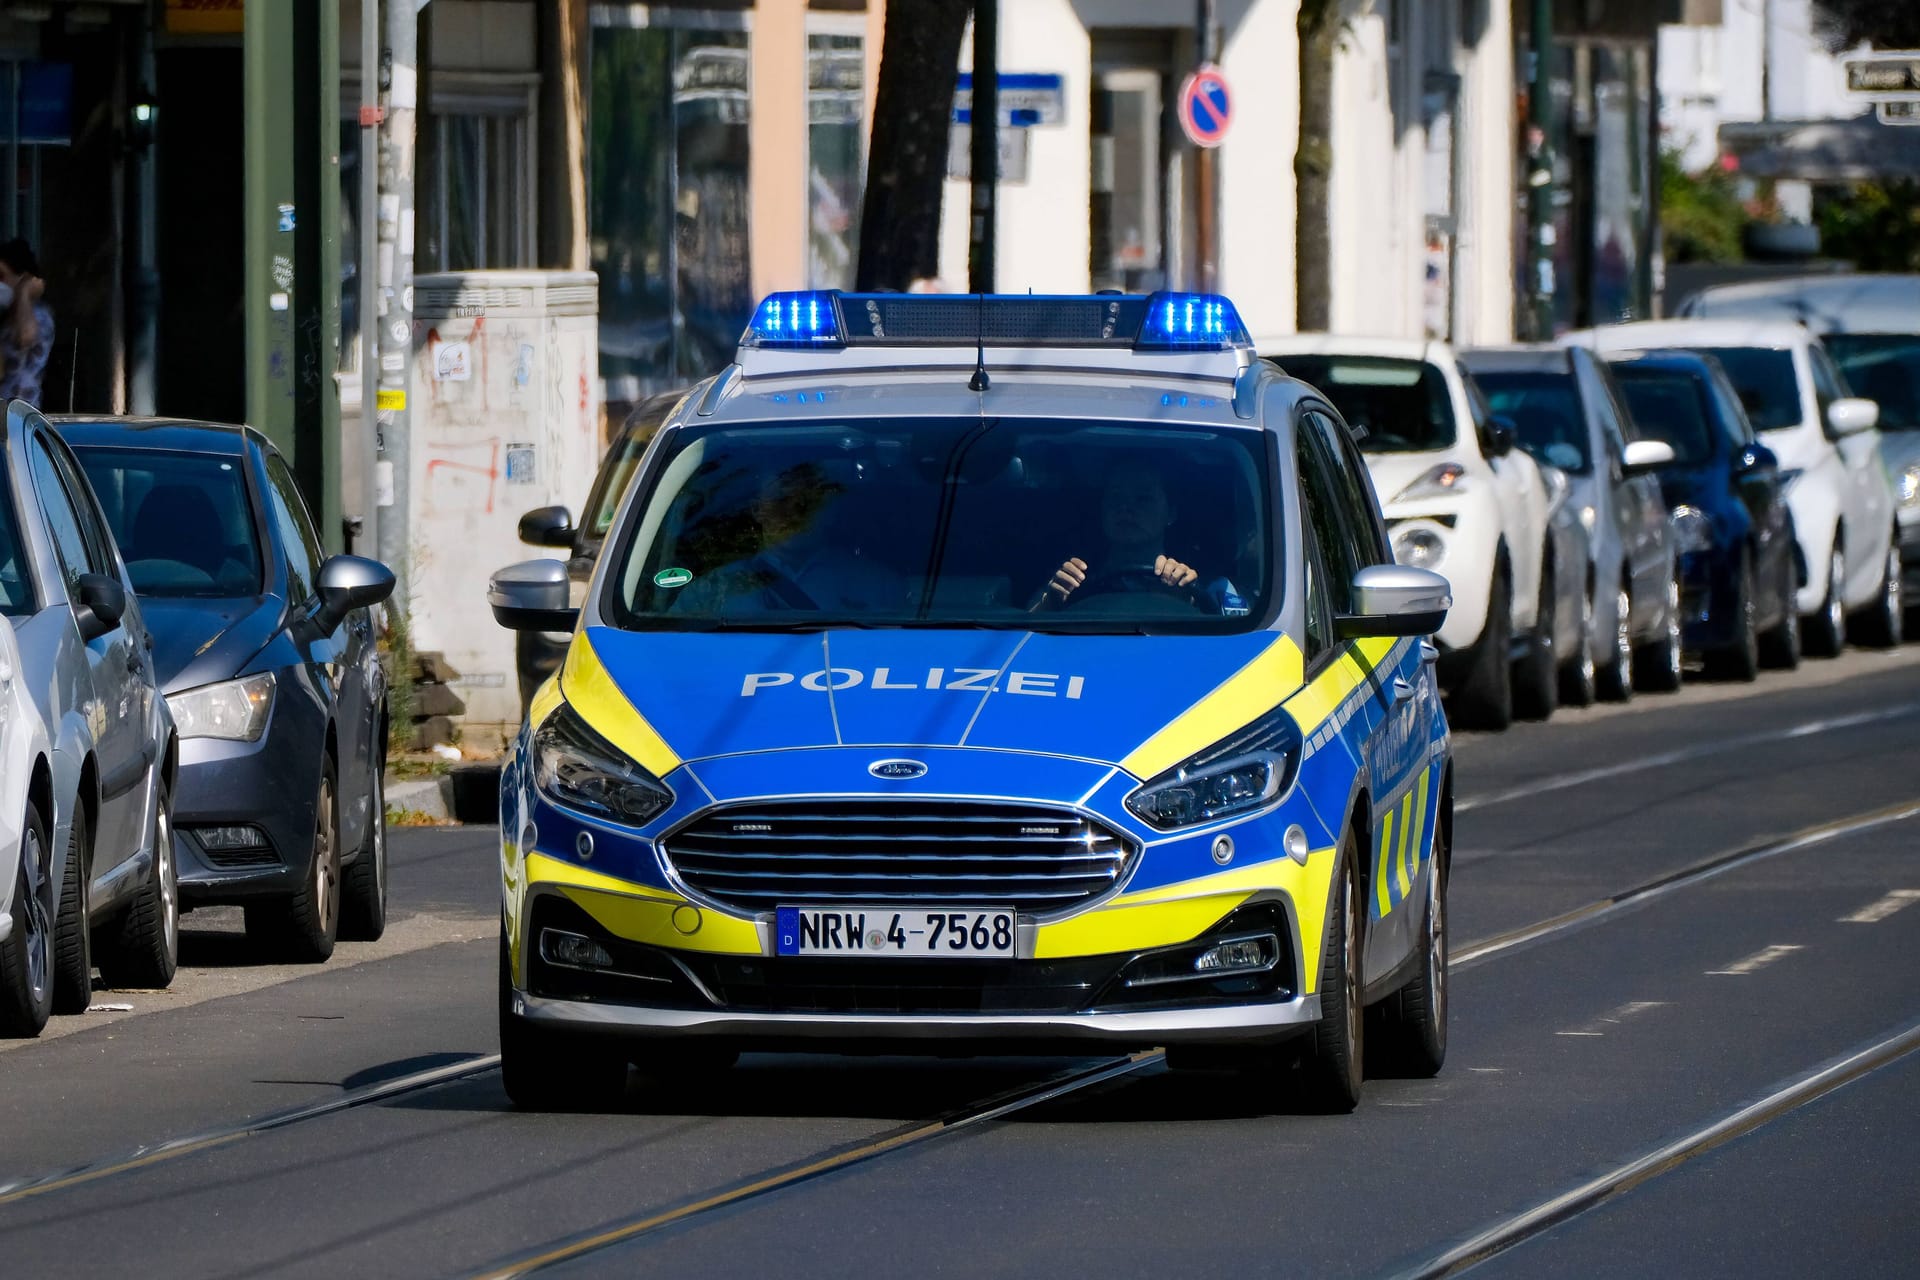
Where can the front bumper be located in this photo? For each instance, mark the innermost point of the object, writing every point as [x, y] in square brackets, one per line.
[268, 787]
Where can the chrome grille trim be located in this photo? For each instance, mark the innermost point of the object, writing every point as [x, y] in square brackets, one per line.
[1042, 860]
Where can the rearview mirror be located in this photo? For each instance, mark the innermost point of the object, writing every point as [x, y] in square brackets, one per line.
[547, 527]
[1502, 435]
[99, 602]
[1643, 456]
[346, 583]
[1396, 600]
[532, 596]
[1852, 415]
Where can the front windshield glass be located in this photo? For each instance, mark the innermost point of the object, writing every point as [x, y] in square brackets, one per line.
[182, 520]
[16, 584]
[1769, 390]
[1672, 406]
[1546, 413]
[1883, 367]
[1403, 405]
[1016, 524]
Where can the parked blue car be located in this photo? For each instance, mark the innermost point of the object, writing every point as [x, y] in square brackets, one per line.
[1731, 526]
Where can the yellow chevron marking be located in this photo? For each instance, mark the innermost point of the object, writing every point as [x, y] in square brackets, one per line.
[643, 913]
[1400, 857]
[1420, 836]
[1251, 691]
[1380, 884]
[597, 697]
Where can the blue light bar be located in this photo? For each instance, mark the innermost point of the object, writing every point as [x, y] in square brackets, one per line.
[807, 320]
[1190, 322]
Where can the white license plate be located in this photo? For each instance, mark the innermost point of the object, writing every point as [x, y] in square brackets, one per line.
[969, 933]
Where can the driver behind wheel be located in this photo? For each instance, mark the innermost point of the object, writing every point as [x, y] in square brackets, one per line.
[1135, 514]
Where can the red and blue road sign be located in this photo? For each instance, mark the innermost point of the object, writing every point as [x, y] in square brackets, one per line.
[1206, 106]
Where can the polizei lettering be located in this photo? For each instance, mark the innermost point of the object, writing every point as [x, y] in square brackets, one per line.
[1031, 684]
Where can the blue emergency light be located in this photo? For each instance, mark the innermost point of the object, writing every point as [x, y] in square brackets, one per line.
[1190, 322]
[826, 319]
[803, 319]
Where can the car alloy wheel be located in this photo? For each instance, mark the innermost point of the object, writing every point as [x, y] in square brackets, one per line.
[1836, 604]
[326, 864]
[167, 876]
[1623, 636]
[1673, 630]
[39, 941]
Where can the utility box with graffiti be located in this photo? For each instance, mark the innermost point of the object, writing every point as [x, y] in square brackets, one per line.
[505, 404]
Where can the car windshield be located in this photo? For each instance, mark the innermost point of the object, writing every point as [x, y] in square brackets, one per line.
[1672, 406]
[1765, 379]
[16, 584]
[1883, 367]
[1546, 412]
[941, 522]
[182, 520]
[1402, 405]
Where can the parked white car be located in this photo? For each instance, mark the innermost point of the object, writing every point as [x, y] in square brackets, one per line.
[1842, 502]
[26, 925]
[1459, 499]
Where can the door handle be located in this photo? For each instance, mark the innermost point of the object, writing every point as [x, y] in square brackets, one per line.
[1401, 691]
[1429, 652]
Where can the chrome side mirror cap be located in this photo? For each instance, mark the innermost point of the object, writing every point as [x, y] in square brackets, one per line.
[1396, 600]
[1852, 415]
[532, 596]
[346, 583]
[1643, 456]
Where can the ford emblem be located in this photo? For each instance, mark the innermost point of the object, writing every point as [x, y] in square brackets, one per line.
[897, 770]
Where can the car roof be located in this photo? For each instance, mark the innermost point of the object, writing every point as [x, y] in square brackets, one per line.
[1531, 355]
[1673, 359]
[1643, 334]
[1343, 344]
[1824, 303]
[176, 435]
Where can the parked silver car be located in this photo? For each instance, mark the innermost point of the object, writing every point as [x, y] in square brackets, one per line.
[87, 750]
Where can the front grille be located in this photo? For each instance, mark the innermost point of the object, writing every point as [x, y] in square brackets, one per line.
[1034, 859]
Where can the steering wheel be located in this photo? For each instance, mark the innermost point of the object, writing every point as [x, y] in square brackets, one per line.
[1128, 578]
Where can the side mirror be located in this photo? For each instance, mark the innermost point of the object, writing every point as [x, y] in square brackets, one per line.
[532, 596]
[1852, 415]
[1643, 456]
[1755, 457]
[1502, 435]
[99, 602]
[346, 583]
[1395, 600]
[547, 527]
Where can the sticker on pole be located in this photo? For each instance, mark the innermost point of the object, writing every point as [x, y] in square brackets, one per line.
[1206, 106]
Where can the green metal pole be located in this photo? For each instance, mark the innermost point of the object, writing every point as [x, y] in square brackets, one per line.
[271, 216]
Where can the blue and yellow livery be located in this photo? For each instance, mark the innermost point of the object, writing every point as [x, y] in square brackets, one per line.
[1007, 671]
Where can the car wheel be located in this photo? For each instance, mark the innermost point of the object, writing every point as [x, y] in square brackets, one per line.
[1658, 670]
[26, 957]
[1740, 660]
[145, 948]
[301, 929]
[1881, 625]
[1333, 1068]
[1823, 633]
[1615, 679]
[1408, 1037]
[363, 887]
[1780, 646]
[1484, 699]
[1577, 676]
[1536, 685]
[72, 923]
[545, 1070]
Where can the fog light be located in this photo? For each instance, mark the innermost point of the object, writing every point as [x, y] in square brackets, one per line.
[575, 951]
[224, 839]
[1239, 955]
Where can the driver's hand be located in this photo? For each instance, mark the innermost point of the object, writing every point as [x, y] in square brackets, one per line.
[1068, 578]
[1170, 571]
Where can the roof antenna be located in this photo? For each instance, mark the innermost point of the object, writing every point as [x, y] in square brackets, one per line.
[980, 380]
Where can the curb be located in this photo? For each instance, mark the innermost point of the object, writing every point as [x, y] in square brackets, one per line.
[430, 797]
[469, 793]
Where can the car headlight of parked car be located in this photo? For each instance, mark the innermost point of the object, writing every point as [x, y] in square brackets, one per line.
[1444, 480]
[233, 710]
[1692, 531]
[1240, 774]
[1419, 547]
[1910, 486]
[576, 767]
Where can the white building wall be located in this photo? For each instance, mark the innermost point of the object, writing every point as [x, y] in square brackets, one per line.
[1256, 167]
[1372, 289]
[1484, 306]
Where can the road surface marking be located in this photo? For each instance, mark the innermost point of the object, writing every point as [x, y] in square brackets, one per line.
[1599, 1026]
[1758, 960]
[1874, 913]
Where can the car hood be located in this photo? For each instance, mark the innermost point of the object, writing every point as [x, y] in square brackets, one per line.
[1091, 698]
[197, 642]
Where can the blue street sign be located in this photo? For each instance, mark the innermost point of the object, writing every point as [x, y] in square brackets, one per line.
[1026, 98]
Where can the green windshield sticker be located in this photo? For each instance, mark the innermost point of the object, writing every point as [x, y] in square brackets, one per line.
[673, 578]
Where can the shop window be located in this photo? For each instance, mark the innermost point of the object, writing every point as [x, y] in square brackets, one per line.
[836, 148]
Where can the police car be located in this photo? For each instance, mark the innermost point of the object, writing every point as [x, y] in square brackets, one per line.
[983, 673]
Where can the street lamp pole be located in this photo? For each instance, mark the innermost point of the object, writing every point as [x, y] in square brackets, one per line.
[984, 154]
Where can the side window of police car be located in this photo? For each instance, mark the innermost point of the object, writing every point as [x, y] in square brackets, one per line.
[1341, 540]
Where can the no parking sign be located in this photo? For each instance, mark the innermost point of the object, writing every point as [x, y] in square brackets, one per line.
[1206, 106]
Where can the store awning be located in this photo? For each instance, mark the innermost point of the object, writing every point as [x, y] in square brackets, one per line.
[1858, 150]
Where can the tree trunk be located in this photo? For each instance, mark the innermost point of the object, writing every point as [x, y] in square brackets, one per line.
[563, 135]
[1318, 24]
[907, 159]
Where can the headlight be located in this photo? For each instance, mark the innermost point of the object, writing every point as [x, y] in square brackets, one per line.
[1239, 774]
[235, 710]
[1442, 481]
[1419, 548]
[1910, 486]
[576, 767]
[1692, 531]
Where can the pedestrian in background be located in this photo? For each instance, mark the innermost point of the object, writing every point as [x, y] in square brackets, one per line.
[26, 324]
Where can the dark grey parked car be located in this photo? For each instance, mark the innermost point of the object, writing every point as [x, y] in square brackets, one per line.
[266, 651]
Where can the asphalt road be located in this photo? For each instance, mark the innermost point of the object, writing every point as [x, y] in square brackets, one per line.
[1686, 1005]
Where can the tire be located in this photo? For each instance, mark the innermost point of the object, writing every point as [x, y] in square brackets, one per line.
[1657, 670]
[1740, 660]
[1484, 698]
[1881, 626]
[1577, 675]
[1614, 680]
[1408, 1037]
[546, 1071]
[1780, 646]
[1823, 633]
[1333, 1066]
[1536, 677]
[301, 928]
[26, 957]
[144, 949]
[363, 887]
[72, 924]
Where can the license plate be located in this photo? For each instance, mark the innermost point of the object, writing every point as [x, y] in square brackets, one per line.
[971, 933]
